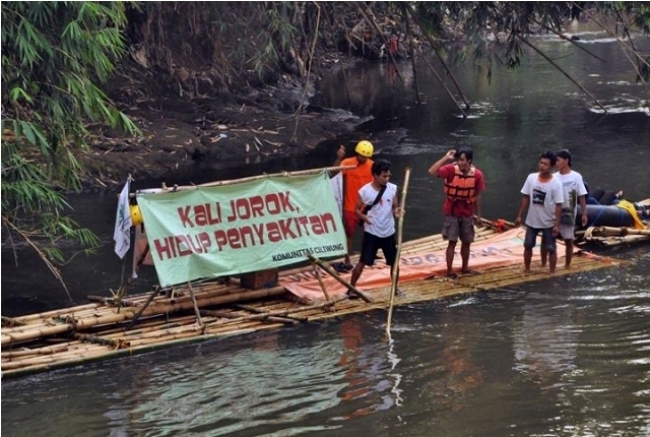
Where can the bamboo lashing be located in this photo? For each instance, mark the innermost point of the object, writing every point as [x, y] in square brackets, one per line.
[395, 267]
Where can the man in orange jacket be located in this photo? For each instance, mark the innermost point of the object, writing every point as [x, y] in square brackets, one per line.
[353, 180]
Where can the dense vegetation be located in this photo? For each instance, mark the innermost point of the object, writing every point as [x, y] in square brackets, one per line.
[57, 55]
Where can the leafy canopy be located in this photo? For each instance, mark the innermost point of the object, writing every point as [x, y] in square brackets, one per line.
[54, 55]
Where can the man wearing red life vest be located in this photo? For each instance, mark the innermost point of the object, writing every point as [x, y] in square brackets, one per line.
[463, 186]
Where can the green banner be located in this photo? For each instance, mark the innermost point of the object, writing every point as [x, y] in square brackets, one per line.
[209, 232]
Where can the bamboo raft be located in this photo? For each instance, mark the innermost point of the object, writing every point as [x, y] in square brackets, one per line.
[614, 236]
[102, 330]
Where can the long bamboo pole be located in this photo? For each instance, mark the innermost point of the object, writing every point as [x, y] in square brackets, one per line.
[434, 46]
[561, 70]
[444, 85]
[248, 179]
[395, 268]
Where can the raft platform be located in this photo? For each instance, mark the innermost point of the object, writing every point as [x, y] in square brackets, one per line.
[210, 310]
[609, 236]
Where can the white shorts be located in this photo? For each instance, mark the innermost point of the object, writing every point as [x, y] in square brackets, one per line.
[567, 232]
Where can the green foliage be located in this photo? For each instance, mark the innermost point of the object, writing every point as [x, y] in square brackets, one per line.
[54, 55]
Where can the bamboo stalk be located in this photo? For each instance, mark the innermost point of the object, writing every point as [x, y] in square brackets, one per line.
[444, 85]
[400, 222]
[11, 322]
[338, 277]
[105, 319]
[320, 281]
[383, 37]
[265, 313]
[248, 179]
[442, 61]
[49, 350]
[561, 70]
[608, 230]
[141, 310]
[196, 307]
[412, 54]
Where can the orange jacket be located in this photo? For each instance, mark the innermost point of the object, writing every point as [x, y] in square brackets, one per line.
[462, 186]
[353, 180]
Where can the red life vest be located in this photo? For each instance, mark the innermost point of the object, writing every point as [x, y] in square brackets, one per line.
[462, 187]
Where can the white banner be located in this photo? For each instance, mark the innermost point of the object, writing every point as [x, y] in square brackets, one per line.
[337, 188]
[122, 233]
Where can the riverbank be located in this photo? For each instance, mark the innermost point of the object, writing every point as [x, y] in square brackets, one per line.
[178, 132]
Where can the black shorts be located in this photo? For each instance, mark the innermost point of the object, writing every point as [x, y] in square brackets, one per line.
[372, 243]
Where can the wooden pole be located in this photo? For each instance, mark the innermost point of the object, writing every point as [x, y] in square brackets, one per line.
[248, 179]
[336, 276]
[395, 268]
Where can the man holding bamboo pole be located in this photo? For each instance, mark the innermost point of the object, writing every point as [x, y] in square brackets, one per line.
[463, 186]
[377, 206]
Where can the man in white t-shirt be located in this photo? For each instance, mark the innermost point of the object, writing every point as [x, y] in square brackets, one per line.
[542, 194]
[380, 196]
[574, 192]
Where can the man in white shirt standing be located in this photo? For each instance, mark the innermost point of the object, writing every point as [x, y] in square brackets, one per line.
[574, 192]
[377, 207]
[542, 194]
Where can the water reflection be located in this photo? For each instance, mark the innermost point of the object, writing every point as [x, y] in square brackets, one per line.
[546, 339]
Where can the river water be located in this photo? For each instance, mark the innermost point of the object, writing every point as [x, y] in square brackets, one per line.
[567, 356]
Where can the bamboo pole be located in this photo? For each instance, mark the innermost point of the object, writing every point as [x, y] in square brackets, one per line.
[78, 353]
[143, 308]
[248, 179]
[442, 82]
[374, 24]
[127, 314]
[561, 70]
[412, 54]
[320, 281]
[11, 322]
[338, 277]
[400, 222]
[608, 230]
[442, 61]
[265, 313]
[196, 307]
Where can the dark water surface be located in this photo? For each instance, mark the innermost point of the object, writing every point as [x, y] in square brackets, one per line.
[568, 356]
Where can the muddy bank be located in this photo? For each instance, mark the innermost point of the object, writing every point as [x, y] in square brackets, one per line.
[178, 133]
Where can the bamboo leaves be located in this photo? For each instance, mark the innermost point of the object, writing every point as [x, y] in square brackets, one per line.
[54, 56]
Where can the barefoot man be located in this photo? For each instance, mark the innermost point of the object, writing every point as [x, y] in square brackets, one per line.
[543, 193]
